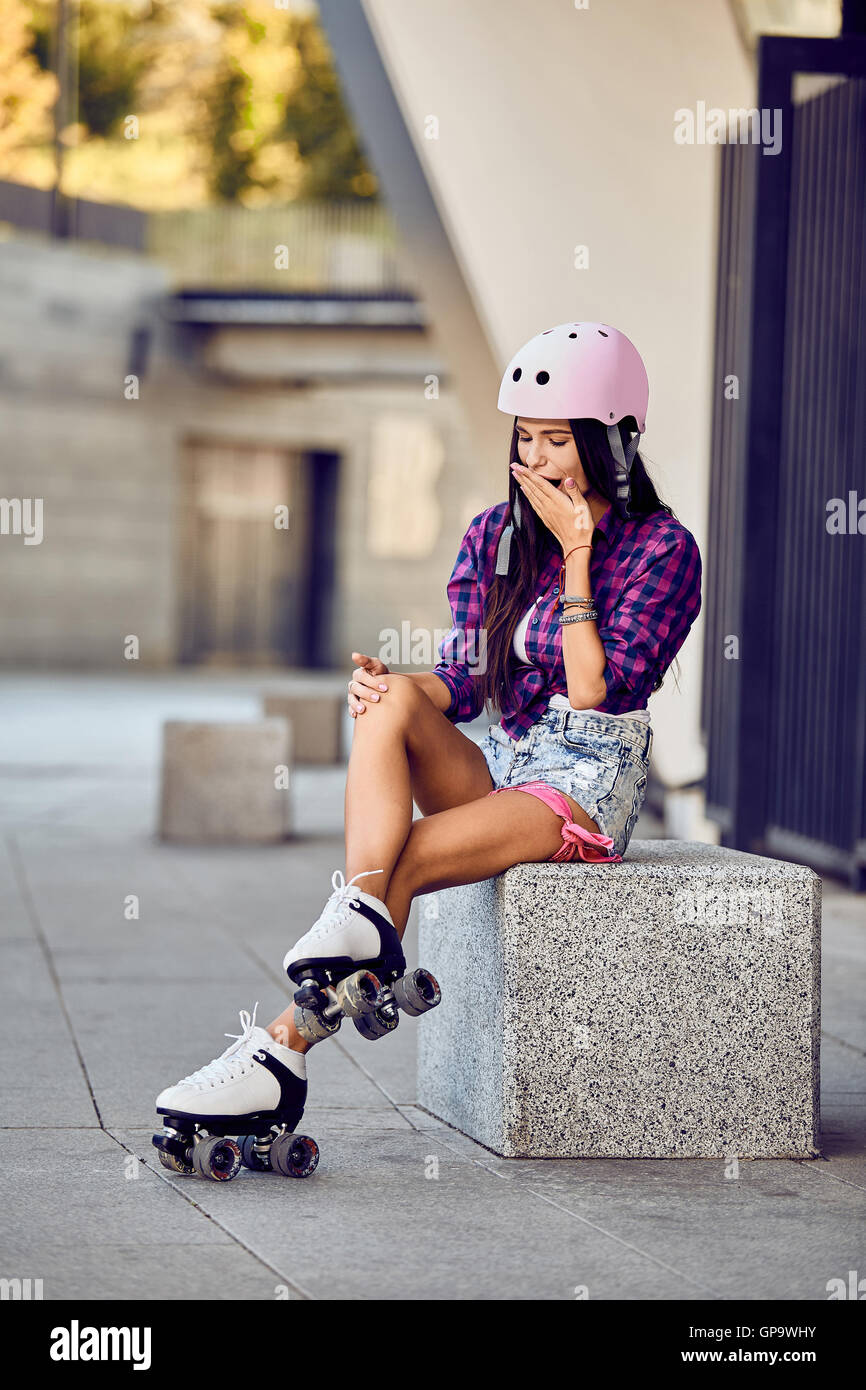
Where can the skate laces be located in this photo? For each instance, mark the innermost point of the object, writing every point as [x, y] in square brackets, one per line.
[344, 897]
[232, 1062]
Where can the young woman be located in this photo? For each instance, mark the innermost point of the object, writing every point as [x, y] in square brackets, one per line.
[569, 603]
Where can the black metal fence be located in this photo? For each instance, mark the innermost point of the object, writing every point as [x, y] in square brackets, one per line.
[40, 210]
[784, 690]
[724, 581]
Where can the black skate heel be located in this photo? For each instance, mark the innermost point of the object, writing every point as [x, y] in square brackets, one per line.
[267, 1141]
[369, 992]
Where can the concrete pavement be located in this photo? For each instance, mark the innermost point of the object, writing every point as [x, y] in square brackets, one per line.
[99, 1012]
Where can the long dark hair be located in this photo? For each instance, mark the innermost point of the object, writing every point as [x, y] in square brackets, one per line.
[511, 594]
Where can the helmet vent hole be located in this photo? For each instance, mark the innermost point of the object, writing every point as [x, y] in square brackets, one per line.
[611, 415]
[572, 335]
[542, 378]
[603, 334]
[517, 374]
[546, 331]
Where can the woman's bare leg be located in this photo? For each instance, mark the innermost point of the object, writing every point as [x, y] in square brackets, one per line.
[402, 745]
[474, 842]
[404, 749]
[414, 752]
[463, 845]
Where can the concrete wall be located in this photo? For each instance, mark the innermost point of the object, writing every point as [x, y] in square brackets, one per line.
[109, 469]
[102, 464]
[556, 130]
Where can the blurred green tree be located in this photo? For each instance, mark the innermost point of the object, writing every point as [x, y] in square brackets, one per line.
[229, 132]
[113, 58]
[27, 92]
[316, 121]
[236, 103]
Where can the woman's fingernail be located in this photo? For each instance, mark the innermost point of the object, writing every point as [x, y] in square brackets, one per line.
[383, 687]
[374, 697]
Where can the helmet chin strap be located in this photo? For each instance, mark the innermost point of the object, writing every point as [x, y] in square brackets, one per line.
[623, 461]
[503, 554]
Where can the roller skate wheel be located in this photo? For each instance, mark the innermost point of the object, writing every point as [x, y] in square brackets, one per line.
[174, 1164]
[216, 1158]
[416, 993]
[294, 1155]
[250, 1157]
[313, 1027]
[375, 1024]
[358, 994]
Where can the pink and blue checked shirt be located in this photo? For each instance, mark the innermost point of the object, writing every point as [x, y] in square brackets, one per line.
[645, 575]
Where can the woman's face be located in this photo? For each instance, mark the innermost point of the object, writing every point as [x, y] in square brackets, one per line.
[548, 448]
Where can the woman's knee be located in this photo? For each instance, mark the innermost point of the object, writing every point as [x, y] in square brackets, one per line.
[400, 701]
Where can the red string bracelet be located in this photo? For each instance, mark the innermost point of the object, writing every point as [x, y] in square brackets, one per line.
[562, 567]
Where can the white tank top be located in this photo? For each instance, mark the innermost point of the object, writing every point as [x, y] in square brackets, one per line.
[641, 716]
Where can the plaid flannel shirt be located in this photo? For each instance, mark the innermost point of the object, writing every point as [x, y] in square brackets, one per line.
[645, 575]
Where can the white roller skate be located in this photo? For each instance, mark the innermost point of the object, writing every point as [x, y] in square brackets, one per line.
[256, 1090]
[351, 964]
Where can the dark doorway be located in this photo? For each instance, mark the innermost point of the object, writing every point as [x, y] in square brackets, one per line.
[256, 593]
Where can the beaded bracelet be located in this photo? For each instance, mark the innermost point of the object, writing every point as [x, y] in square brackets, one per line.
[587, 616]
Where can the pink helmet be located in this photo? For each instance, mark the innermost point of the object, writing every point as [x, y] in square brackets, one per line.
[585, 371]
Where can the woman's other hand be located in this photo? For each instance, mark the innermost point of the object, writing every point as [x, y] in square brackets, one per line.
[366, 682]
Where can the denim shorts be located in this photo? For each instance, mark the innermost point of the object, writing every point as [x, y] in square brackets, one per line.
[602, 762]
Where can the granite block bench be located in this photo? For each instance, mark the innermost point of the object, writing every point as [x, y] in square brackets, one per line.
[663, 1007]
[225, 783]
[316, 720]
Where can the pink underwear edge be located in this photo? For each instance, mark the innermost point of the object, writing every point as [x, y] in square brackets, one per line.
[578, 843]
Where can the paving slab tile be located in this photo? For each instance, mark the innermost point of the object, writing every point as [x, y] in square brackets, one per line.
[43, 1082]
[405, 1218]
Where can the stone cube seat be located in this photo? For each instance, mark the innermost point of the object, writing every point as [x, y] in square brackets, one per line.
[663, 1007]
[220, 782]
[316, 720]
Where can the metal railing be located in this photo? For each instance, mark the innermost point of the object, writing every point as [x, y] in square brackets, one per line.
[724, 576]
[303, 247]
[785, 713]
[37, 210]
